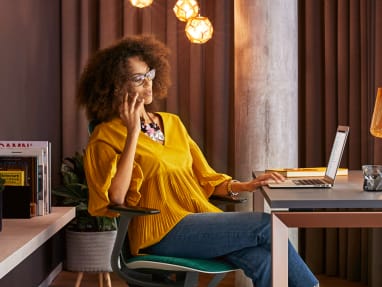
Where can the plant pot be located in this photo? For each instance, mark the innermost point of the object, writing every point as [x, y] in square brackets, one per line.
[89, 251]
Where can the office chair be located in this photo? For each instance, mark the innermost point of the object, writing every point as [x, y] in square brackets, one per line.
[161, 271]
[156, 270]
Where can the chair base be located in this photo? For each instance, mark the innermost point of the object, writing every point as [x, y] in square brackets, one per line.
[175, 279]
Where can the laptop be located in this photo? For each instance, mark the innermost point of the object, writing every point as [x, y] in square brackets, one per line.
[331, 170]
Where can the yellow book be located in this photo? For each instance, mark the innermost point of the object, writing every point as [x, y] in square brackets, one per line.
[305, 171]
[12, 177]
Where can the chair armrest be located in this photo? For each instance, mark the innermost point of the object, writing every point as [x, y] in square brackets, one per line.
[132, 210]
[227, 199]
[126, 215]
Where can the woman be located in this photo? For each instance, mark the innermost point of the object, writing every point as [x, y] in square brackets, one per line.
[141, 158]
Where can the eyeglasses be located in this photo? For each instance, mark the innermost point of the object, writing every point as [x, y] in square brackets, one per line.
[138, 79]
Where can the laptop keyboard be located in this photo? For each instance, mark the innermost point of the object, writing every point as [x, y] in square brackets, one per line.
[308, 181]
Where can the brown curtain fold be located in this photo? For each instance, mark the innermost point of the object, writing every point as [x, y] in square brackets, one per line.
[339, 73]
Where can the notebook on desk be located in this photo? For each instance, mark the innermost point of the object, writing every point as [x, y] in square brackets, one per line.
[326, 181]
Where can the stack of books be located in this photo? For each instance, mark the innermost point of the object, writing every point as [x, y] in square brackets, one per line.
[305, 171]
[26, 168]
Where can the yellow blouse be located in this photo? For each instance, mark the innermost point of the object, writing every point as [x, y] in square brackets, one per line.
[174, 178]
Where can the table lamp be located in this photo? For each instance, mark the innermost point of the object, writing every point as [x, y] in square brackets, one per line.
[376, 120]
[373, 173]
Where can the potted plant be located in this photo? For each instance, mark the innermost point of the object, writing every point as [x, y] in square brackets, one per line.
[89, 239]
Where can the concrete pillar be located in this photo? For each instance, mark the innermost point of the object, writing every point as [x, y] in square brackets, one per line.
[265, 89]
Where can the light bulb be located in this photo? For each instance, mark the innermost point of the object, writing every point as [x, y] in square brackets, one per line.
[199, 30]
[141, 3]
[186, 9]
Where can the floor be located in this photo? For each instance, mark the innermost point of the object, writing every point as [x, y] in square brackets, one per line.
[68, 279]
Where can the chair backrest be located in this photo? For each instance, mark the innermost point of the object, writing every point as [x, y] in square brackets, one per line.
[91, 126]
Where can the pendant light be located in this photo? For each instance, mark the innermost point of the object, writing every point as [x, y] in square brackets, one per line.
[186, 9]
[199, 30]
[141, 3]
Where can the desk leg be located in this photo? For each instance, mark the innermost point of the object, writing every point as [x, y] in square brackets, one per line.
[279, 253]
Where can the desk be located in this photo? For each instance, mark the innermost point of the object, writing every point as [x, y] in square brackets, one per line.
[346, 194]
[19, 238]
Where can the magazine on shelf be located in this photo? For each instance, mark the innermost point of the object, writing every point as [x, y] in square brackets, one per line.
[41, 150]
[21, 189]
[42, 184]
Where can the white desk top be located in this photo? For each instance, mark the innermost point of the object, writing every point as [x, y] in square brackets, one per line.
[347, 193]
[21, 237]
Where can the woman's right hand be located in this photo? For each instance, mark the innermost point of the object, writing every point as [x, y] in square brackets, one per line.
[130, 111]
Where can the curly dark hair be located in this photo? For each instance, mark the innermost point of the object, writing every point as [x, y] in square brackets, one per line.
[105, 77]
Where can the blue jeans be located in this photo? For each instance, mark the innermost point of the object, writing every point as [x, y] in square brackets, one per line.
[242, 238]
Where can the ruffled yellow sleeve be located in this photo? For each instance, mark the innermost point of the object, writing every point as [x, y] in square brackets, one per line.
[133, 195]
[208, 178]
[100, 164]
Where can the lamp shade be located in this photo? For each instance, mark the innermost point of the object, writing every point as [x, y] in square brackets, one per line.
[199, 30]
[376, 120]
[141, 3]
[186, 9]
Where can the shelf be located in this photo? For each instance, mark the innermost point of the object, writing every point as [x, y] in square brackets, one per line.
[21, 237]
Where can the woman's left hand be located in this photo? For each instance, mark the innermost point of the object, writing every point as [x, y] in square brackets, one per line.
[239, 186]
[264, 179]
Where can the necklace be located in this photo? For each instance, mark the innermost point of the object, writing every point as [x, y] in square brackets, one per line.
[152, 129]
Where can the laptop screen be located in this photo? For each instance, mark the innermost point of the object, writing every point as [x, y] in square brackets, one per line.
[336, 153]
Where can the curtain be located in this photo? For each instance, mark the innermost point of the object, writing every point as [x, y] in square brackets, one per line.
[201, 74]
[340, 69]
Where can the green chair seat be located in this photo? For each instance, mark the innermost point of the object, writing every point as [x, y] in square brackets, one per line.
[213, 266]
